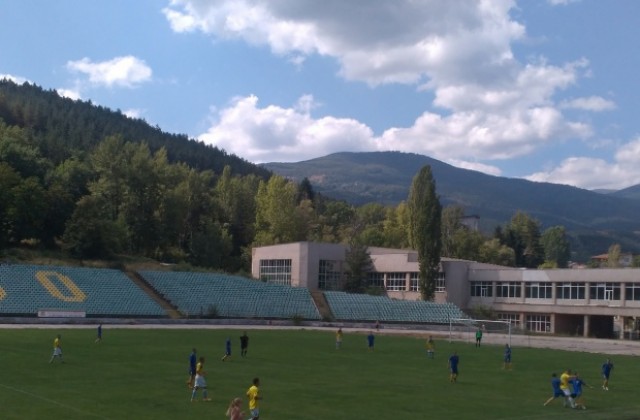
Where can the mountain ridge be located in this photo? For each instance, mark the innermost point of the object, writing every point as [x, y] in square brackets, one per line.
[385, 178]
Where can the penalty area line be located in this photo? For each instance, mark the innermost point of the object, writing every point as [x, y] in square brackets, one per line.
[50, 401]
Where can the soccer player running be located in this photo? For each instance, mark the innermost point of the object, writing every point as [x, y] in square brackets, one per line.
[555, 386]
[253, 393]
[193, 360]
[244, 344]
[227, 349]
[607, 367]
[200, 382]
[339, 339]
[565, 380]
[57, 349]
[234, 412]
[577, 383]
[453, 367]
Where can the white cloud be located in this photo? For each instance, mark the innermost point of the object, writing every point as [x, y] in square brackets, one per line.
[127, 71]
[591, 103]
[133, 113]
[15, 79]
[594, 173]
[492, 105]
[283, 134]
[561, 2]
[69, 93]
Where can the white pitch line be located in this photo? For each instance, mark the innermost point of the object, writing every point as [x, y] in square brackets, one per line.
[70, 407]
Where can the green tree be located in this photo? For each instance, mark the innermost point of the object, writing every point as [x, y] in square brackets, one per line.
[557, 249]
[493, 252]
[358, 263]
[613, 256]
[522, 234]
[425, 212]
[277, 218]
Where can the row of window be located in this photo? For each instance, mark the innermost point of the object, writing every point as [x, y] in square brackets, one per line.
[544, 290]
[533, 322]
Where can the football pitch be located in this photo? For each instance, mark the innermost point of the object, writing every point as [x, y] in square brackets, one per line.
[142, 373]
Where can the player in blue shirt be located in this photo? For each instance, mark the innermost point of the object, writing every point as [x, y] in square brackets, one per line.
[227, 351]
[370, 340]
[453, 367]
[607, 367]
[577, 383]
[555, 386]
[507, 357]
[193, 360]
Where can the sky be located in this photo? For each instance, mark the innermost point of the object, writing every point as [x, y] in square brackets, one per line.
[544, 90]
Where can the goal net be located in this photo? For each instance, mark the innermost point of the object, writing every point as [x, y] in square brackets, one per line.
[494, 332]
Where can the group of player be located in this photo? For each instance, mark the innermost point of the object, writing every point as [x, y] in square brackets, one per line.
[197, 382]
[569, 386]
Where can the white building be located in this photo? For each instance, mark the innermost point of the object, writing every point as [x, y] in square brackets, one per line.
[589, 302]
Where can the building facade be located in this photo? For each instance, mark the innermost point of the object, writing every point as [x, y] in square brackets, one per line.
[589, 302]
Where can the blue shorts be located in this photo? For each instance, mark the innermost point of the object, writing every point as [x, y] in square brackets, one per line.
[557, 394]
[255, 413]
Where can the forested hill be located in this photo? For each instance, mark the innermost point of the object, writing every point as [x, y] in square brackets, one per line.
[63, 128]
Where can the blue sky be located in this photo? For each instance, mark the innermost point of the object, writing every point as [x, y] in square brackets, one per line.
[538, 89]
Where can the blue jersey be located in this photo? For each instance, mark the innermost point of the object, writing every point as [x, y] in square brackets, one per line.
[555, 384]
[228, 345]
[507, 354]
[606, 369]
[576, 384]
[453, 362]
[370, 339]
[192, 363]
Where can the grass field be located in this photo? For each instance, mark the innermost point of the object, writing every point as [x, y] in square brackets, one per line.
[141, 374]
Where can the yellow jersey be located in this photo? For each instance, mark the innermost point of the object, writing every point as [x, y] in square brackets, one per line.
[252, 393]
[564, 380]
[56, 343]
[199, 368]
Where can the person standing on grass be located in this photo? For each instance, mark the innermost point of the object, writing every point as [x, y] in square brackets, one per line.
[555, 386]
[453, 367]
[607, 367]
[200, 382]
[577, 383]
[193, 360]
[244, 344]
[507, 357]
[253, 393]
[99, 334]
[57, 349]
[227, 349]
[339, 339]
[371, 340]
[430, 348]
[478, 337]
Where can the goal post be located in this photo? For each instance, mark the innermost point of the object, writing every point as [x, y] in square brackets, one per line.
[467, 327]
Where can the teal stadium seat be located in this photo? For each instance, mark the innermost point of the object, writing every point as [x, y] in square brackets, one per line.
[26, 289]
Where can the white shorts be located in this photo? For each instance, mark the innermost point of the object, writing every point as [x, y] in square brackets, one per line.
[200, 382]
[57, 351]
[255, 413]
[566, 392]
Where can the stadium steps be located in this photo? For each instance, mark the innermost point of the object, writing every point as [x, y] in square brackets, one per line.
[171, 310]
[322, 304]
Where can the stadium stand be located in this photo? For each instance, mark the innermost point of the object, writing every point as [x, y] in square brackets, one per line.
[27, 289]
[226, 296]
[358, 307]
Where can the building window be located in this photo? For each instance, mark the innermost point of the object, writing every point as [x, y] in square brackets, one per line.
[375, 279]
[632, 292]
[440, 283]
[329, 275]
[276, 271]
[414, 282]
[539, 323]
[396, 281]
[604, 291]
[481, 289]
[542, 290]
[513, 319]
[570, 290]
[510, 289]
